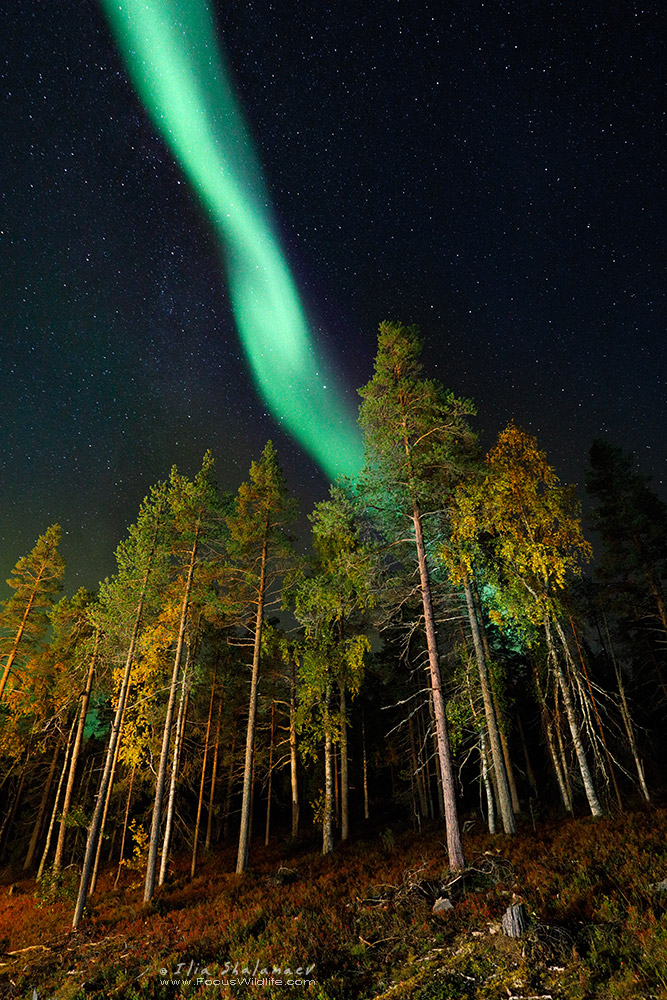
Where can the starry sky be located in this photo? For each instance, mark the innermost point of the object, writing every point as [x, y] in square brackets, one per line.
[489, 171]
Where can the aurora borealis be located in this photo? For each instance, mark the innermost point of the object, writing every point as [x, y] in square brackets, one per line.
[173, 56]
[489, 174]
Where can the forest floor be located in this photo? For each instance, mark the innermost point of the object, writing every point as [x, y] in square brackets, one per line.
[360, 923]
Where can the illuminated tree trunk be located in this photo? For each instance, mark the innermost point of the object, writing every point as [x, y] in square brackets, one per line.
[294, 773]
[270, 780]
[244, 834]
[166, 735]
[367, 811]
[96, 821]
[551, 745]
[454, 845]
[107, 800]
[78, 741]
[589, 787]
[610, 764]
[344, 771]
[490, 808]
[175, 764]
[327, 819]
[417, 769]
[504, 800]
[56, 804]
[509, 770]
[39, 822]
[627, 719]
[230, 788]
[126, 817]
[200, 798]
[214, 775]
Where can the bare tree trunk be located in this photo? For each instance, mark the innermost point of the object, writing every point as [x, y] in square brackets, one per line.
[344, 772]
[39, 822]
[454, 845]
[214, 775]
[610, 764]
[93, 878]
[176, 757]
[627, 719]
[504, 799]
[78, 741]
[589, 787]
[200, 799]
[509, 770]
[230, 787]
[530, 774]
[125, 821]
[327, 819]
[166, 734]
[96, 821]
[294, 774]
[416, 769]
[270, 781]
[548, 732]
[11, 812]
[244, 833]
[367, 811]
[54, 812]
[490, 808]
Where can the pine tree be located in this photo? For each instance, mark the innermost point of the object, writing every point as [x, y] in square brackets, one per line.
[259, 551]
[36, 579]
[415, 433]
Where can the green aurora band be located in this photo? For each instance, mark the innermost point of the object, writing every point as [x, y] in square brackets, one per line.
[173, 56]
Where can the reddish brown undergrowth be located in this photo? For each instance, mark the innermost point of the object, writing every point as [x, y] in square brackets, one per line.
[363, 920]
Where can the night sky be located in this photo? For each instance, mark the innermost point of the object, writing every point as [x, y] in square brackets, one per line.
[488, 171]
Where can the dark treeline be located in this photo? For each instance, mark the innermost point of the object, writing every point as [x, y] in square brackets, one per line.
[441, 652]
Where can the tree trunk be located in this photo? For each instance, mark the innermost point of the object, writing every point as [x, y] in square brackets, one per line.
[39, 822]
[417, 770]
[214, 775]
[344, 771]
[589, 787]
[166, 735]
[244, 833]
[11, 813]
[54, 812]
[107, 800]
[270, 781]
[504, 800]
[176, 757]
[548, 732]
[490, 809]
[294, 773]
[627, 719]
[530, 774]
[509, 770]
[327, 819]
[125, 821]
[454, 845]
[78, 741]
[200, 799]
[367, 811]
[230, 788]
[94, 830]
[610, 764]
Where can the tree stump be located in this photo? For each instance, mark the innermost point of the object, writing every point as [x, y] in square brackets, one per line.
[514, 920]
